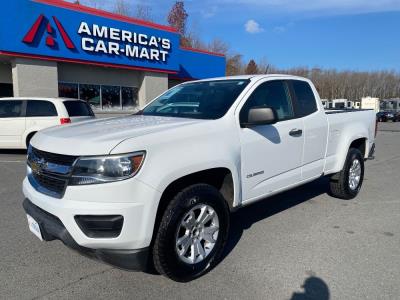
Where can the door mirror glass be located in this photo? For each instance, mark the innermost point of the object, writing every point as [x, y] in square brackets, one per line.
[260, 116]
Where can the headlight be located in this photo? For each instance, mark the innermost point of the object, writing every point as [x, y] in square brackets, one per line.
[102, 169]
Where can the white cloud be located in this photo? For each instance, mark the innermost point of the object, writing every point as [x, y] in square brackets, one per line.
[279, 29]
[282, 28]
[209, 13]
[252, 26]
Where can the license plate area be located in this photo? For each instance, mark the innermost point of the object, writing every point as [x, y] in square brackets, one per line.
[34, 227]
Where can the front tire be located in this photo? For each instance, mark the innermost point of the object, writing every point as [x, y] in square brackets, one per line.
[347, 183]
[192, 233]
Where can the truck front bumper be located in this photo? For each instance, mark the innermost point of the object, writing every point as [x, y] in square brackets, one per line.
[52, 228]
[130, 202]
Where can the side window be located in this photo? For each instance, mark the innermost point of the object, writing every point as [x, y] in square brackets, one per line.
[305, 98]
[273, 94]
[10, 109]
[40, 108]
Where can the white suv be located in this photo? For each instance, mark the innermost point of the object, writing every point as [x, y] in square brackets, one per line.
[21, 118]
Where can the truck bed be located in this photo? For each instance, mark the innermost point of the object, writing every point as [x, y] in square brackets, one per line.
[343, 123]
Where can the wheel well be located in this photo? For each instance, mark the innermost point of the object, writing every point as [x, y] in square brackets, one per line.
[220, 178]
[28, 138]
[360, 145]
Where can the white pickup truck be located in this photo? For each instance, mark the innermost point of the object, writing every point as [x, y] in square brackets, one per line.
[156, 188]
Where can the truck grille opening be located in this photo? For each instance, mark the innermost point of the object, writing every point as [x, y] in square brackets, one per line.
[59, 159]
[55, 185]
[53, 180]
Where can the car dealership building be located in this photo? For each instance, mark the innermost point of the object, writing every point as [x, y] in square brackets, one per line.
[52, 48]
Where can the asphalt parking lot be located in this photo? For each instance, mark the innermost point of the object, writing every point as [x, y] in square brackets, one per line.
[302, 244]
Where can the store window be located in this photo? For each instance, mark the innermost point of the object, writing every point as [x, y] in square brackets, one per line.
[68, 90]
[129, 97]
[111, 97]
[101, 97]
[6, 90]
[91, 94]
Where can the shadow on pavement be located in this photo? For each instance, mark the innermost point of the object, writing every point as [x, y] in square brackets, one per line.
[245, 217]
[314, 289]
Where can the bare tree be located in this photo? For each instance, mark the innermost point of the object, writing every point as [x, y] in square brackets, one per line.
[264, 67]
[234, 65]
[144, 12]
[95, 4]
[122, 8]
[219, 46]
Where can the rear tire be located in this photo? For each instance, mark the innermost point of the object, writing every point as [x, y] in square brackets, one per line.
[180, 222]
[347, 183]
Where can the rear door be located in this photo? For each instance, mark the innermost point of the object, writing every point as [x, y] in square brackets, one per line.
[12, 123]
[271, 155]
[78, 110]
[315, 129]
[40, 114]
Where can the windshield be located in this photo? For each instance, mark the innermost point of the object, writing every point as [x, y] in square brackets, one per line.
[200, 100]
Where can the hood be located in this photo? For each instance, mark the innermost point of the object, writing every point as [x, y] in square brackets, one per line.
[98, 137]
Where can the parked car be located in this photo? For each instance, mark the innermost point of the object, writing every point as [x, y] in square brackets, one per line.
[21, 118]
[159, 188]
[385, 116]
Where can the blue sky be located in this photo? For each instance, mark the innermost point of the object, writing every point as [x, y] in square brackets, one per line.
[344, 34]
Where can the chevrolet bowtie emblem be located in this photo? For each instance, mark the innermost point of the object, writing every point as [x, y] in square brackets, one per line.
[37, 166]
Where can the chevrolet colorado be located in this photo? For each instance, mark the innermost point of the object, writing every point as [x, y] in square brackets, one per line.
[157, 188]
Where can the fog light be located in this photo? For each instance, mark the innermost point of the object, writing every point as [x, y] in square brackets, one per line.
[102, 226]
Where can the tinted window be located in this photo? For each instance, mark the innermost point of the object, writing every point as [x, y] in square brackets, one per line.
[78, 109]
[10, 109]
[305, 98]
[272, 94]
[202, 100]
[40, 108]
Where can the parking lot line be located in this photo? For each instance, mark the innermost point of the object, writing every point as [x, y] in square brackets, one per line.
[12, 161]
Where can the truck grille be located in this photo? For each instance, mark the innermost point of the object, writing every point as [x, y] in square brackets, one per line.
[49, 172]
[60, 159]
[55, 185]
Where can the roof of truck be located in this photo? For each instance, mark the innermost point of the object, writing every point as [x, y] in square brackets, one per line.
[255, 77]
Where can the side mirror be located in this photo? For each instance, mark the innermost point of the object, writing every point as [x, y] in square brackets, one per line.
[261, 116]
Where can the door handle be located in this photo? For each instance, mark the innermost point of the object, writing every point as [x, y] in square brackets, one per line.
[296, 132]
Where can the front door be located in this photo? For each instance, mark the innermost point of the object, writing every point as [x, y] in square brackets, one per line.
[271, 154]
